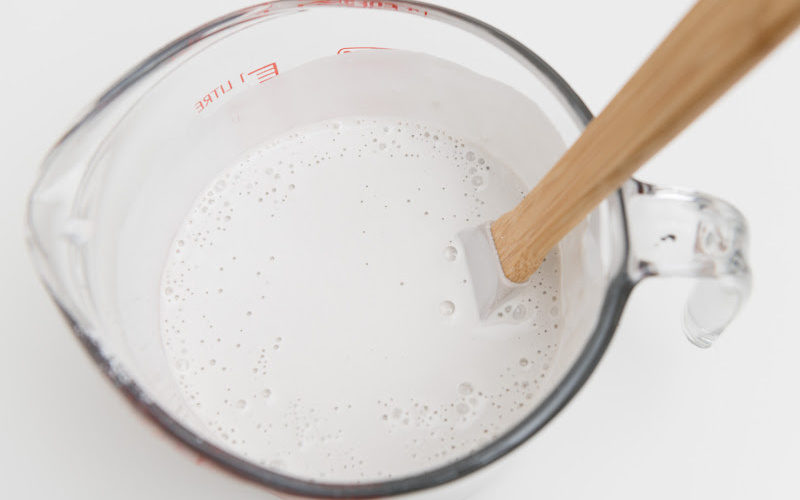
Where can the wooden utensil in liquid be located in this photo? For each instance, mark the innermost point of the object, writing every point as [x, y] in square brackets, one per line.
[713, 46]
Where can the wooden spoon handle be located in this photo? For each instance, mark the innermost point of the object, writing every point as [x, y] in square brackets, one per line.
[713, 46]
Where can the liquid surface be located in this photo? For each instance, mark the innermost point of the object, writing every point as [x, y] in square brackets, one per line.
[319, 315]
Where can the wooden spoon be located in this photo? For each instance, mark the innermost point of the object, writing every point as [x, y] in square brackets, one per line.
[713, 46]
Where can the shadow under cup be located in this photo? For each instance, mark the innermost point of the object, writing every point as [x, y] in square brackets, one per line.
[116, 188]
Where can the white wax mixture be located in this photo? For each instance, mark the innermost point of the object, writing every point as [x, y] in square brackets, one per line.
[318, 312]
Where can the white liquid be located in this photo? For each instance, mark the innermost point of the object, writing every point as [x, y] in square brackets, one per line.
[318, 313]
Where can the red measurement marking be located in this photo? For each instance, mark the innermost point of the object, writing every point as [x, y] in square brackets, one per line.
[264, 73]
[347, 50]
[261, 75]
[398, 6]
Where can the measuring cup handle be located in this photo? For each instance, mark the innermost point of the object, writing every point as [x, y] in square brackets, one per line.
[674, 232]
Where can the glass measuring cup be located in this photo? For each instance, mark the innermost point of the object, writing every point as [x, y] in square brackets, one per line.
[113, 187]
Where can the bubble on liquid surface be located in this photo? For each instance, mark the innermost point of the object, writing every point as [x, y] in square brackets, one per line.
[523, 362]
[220, 185]
[447, 308]
[519, 312]
[241, 404]
[462, 408]
[477, 181]
[182, 365]
[465, 388]
[470, 156]
[450, 253]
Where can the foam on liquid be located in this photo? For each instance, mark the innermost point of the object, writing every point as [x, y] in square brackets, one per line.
[317, 310]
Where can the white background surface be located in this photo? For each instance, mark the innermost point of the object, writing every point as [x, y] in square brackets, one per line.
[658, 419]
